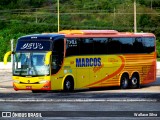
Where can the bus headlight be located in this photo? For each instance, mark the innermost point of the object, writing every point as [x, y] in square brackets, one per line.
[16, 81]
[43, 81]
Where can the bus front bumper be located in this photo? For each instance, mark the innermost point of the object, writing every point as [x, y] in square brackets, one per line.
[45, 86]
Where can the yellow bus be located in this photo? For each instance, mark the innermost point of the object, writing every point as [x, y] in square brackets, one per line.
[80, 59]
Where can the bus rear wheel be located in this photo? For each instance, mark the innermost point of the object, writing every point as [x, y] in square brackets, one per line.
[124, 81]
[134, 81]
[38, 91]
[68, 85]
[35, 91]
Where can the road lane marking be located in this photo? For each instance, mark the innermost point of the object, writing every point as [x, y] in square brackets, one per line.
[2, 88]
[78, 100]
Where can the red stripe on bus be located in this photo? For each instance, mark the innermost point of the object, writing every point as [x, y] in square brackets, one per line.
[112, 75]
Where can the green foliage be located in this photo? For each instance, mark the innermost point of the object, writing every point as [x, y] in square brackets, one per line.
[158, 48]
[149, 3]
[21, 17]
[5, 38]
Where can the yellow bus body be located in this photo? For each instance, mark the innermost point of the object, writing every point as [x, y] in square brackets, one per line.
[107, 74]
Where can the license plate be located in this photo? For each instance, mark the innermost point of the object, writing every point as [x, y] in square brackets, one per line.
[28, 87]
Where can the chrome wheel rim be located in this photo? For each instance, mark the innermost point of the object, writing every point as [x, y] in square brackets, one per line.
[134, 81]
[68, 85]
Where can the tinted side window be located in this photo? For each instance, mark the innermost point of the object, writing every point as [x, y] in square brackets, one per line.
[57, 55]
[58, 45]
[113, 46]
[86, 46]
[149, 45]
[100, 45]
[79, 46]
[138, 45]
[72, 46]
[127, 45]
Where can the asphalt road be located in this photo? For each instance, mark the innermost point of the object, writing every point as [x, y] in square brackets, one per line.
[100, 104]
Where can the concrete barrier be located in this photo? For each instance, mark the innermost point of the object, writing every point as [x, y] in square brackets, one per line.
[9, 66]
[158, 65]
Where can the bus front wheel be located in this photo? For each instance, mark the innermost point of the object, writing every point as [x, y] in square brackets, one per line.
[68, 85]
[124, 81]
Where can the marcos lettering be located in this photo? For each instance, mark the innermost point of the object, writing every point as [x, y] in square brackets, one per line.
[88, 62]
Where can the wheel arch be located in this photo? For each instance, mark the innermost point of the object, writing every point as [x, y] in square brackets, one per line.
[136, 73]
[124, 73]
[68, 76]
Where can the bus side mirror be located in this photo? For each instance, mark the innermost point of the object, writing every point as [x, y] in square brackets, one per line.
[6, 57]
[47, 58]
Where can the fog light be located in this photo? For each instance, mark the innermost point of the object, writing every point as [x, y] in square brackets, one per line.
[43, 81]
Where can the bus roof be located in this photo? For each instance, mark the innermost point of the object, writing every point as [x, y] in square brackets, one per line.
[102, 33]
[88, 32]
[47, 36]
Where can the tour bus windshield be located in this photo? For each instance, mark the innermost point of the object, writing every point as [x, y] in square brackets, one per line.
[30, 64]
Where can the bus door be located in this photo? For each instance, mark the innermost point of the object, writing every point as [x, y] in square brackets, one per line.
[57, 55]
[57, 61]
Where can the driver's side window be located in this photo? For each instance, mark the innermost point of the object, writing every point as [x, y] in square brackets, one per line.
[57, 55]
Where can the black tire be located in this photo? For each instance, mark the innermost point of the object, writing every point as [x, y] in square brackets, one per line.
[38, 91]
[134, 83]
[35, 91]
[68, 85]
[124, 81]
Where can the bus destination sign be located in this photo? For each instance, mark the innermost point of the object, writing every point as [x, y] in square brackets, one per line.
[33, 45]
